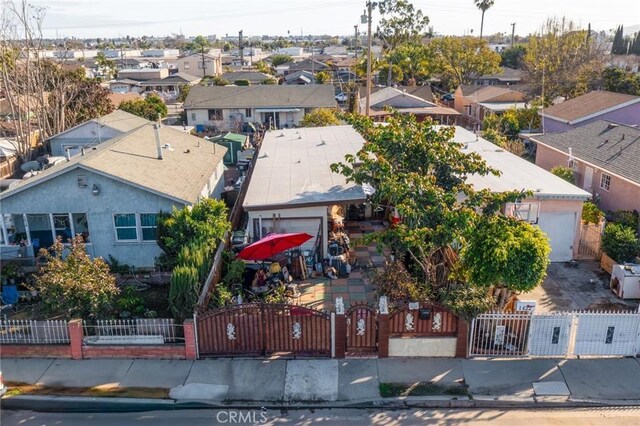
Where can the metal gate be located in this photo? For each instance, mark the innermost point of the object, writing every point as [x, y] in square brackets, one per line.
[362, 329]
[606, 333]
[590, 236]
[549, 334]
[264, 329]
[499, 334]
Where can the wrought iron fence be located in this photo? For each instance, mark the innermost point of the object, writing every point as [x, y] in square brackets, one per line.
[34, 332]
[133, 331]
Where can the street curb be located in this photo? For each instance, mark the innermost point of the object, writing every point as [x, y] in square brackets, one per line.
[106, 404]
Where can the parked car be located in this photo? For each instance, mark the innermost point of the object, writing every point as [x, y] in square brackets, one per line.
[448, 97]
[342, 97]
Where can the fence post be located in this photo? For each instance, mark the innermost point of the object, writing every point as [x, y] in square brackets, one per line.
[462, 339]
[340, 337]
[383, 335]
[76, 337]
[190, 346]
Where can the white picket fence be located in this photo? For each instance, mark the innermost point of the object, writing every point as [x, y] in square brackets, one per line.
[131, 331]
[557, 334]
[34, 332]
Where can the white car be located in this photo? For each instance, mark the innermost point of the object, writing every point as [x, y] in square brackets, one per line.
[342, 97]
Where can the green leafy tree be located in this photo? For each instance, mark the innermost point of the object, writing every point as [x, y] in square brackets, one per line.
[462, 59]
[619, 47]
[416, 63]
[74, 285]
[323, 77]
[263, 67]
[353, 98]
[184, 92]
[483, 5]
[400, 23]
[591, 213]
[506, 252]
[214, 81]
[107, 66]
[279, 59]
[149, 108]
[561, 60]
[199, 44]
[320, 117]
[565, 173]
[512, 56]
[620, 242]
[618, 80]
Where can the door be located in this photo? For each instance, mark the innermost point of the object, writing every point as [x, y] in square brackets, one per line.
[587, 183]
[560, 228]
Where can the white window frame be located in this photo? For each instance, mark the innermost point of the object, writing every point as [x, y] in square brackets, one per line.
[527, 212]
[136, 227]
[608, 183]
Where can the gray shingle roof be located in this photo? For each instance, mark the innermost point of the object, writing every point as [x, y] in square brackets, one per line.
[254, 77]
[119, 120]
[311, 96]
[132, 158]
[612, 147]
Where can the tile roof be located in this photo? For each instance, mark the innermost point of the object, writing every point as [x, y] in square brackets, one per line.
[588, 104]
[308, 96]
[132, 158]
[609, 146]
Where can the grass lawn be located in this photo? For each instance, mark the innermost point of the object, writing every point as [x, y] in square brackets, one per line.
[421, 389]
[14, 389]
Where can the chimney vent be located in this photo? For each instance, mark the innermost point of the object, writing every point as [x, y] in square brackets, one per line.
[156, 128]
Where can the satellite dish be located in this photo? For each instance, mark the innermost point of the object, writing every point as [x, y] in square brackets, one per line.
[30, 166]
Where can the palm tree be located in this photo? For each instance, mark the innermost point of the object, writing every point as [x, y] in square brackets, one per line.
[483, 5]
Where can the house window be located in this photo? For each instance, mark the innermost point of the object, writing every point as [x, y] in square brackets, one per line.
[247, 113]
[148, 226]
[62, 226]
[193, 115]
[82, 181]
[126, 229]
[81, 226]
[186, 65]
[215, 114]
[605, 181]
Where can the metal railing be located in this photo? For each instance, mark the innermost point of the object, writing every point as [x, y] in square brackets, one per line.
[34, 332]
[132, 331]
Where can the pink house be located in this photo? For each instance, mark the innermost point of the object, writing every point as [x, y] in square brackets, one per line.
[596, 105]
[605, 157]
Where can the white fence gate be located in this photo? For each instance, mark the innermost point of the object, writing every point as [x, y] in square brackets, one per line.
[549, 334]
[556, 334]
[604, 333]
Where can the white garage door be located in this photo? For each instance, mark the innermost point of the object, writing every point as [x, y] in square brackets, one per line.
[560, 228]
[290, 226]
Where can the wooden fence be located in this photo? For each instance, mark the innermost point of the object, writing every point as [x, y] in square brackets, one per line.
[426, 320]
[590, 237]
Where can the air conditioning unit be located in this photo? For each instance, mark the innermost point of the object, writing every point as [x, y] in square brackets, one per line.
[527, 212]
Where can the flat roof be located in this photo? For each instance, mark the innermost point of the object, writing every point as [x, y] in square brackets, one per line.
[517, 173]
[294, 168]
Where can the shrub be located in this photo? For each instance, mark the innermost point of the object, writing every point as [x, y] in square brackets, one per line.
[320, 117]
[626, 218]
[591, 213]
[620, 242]
[395, 282]
[564, 173]
[242, 83]
[467, 301]
[184, 291]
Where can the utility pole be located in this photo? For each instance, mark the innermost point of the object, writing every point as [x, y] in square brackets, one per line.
[370, 5]
[241, 49]
[204, 68]
[356, 40]
[513, 32]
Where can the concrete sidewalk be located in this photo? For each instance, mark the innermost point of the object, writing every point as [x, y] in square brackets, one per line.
[347, 380]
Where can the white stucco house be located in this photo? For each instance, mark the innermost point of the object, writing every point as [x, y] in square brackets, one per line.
[111, 195]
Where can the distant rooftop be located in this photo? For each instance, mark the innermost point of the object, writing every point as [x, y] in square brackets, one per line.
[583, 107]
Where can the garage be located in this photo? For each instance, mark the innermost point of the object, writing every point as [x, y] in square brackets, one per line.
[560, 227]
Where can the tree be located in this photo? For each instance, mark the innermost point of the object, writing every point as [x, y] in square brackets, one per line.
[263, 67]
[413, 62]
[400, 23]
[591, 213]
[561, 60]
[150, 108]
[462, 59]
[506, 252]
[415, 168]
[74, 285]
[512, 56]
[618, 47]
[214, 81]
[184, 92]
[620, 242]
[106, 66]
[565, 173]
[323, 77]
[635, 45]
[199, 44]
[320, 117]
[279, 59]
[353, 98]
[618, 80]
[483, 5]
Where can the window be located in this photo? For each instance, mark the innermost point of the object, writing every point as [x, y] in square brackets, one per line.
[186, 65]
[81, 225]
[193, 115]
[215, 114]
[247, 113]
[82, 181]
[605, 181]
[148, 226]
[62, 226]
[126, 229]
[527, 212]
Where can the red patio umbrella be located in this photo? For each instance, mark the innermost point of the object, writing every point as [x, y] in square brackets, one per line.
[272, 245]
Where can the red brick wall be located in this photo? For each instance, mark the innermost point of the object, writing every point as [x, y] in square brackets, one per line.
[35, 351]
[145, 352]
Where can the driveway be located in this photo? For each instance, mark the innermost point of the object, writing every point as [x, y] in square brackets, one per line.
[576, 286]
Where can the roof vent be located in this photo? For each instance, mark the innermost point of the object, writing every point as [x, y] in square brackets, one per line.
[167, 146]
[612, 126]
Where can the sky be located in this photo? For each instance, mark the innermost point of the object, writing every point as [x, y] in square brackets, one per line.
[113, 18]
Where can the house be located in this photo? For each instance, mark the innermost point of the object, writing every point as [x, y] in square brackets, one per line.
[407, 103]
[253, 77]
[193, 64]
[93, 132]
[292, 185]
[555, 206]
[9, 161]
[605, 158]
[474, 102]
[507, 76]
[310, 65]
[228, 107]
[157, 80]
[111, 195]
[596, 105]
[300, 78]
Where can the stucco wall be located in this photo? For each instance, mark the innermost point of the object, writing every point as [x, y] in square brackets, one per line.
[89, 133]
[427, 346]
[628, 115]
[237, 116]
[63, 195]
[622, 194]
